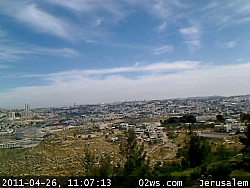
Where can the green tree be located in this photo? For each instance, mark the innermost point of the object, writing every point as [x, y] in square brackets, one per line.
[188, 119]
[135, 156]
[220, 171]
[97, 166]
[136, 165]
[244, 117]
[176, 120]
[173, 120]
[220, 119]
[195, 152]
[247, 133]
[246, 140]
[89, 162]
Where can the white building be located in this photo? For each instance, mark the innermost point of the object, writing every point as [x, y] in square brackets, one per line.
[27, 107]
[102, 126]
[124, 125]
[11, 115]
[222, 128]
[26, 113]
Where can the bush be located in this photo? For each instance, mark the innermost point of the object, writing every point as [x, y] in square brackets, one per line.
[195, 152]
[220, 171]
[196, 174]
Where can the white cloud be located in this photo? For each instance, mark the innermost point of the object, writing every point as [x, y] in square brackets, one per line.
[98, 22]
[62, 52]
[91, 15]
[161, 9]
[242, 8]
[76, 5]
[226, 45]
[95, 7]
[191, 37]
[138, 68]
[193, 43]
[10, 51]
[190, 32]
[163, 49]
[226, 13]
[162, 27]
[181, 65]
[39, 20]
[243, 20]
[231, 44]
[210, 6]
[4, 66]
[166, 9]
[150, 68]
[43, 21]
[206, 80]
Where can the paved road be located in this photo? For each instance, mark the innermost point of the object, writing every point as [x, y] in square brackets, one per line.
[213, 135]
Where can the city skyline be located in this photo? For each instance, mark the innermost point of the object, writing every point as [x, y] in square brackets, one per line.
[56, 53]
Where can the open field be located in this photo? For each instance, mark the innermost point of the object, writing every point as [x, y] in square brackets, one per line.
[62, 154]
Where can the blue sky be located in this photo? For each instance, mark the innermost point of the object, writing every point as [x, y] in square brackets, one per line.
[60, 52]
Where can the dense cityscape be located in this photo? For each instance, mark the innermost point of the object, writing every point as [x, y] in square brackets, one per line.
[20, 122]
[205, 109]
[162, 126]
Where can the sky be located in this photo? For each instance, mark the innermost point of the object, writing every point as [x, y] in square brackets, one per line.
[60, 52]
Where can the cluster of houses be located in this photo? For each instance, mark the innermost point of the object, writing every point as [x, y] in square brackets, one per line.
[8, 145]
[63, 126]
[150, 133]
[143, 132]
[231, 126]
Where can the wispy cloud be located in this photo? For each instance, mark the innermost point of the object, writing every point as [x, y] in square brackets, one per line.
[207, 80]
[163, 50]
[191, 32]
[98, 8]
[191, 36]
[224, 14]
[10, 51]
[38, 19]
[210, 5]
[4, 66]
[161, 9]
[166, 9]
[91, 16]
[161, 27]
[62, 52]
[226, 45]
[179, 65]
[150, 68]
[138, 68]
[231, 44]
[240, 59]
[90, 25]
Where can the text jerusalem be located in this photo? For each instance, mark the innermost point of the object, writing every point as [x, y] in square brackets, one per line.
[224, 183]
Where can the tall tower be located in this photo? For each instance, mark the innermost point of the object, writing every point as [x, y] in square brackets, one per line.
[26, 112]
[27, 107]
